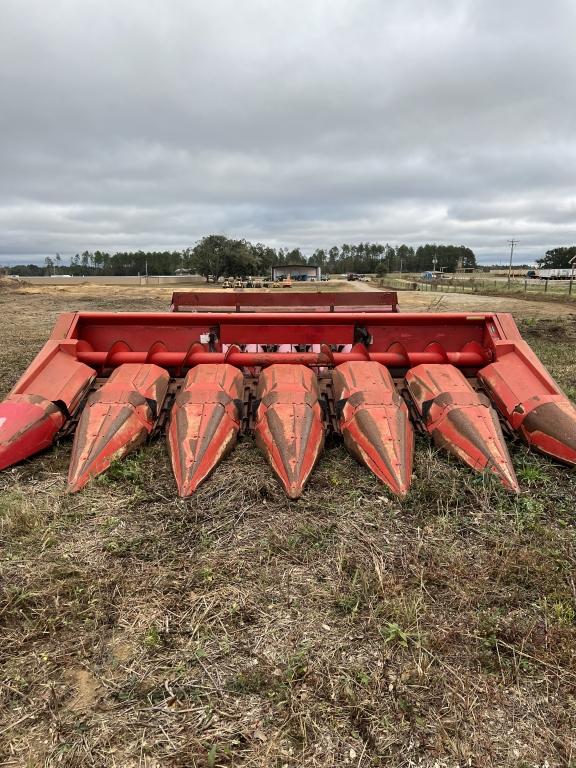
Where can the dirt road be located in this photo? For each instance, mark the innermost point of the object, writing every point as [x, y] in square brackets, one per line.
[94, 297]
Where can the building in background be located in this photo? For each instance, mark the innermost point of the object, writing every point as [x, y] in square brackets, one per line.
[296, 272]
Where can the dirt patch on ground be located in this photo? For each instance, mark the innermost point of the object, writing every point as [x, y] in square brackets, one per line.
[422, 301]
[87, 689]
[238, 628]
[158, 298]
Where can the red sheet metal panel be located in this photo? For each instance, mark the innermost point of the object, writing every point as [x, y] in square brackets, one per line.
[289, 427]
[461, 420]
[56, 375]
[28, 424]
[294, 333]
[531, 401]
[117, 419]
[204, 423]
[40, 403]
[166, 339]
[374, 422]
[361, 301]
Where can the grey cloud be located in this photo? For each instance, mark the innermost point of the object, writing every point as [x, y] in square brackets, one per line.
[149, 124]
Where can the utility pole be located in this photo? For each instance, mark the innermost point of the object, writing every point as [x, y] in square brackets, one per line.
[511, 243]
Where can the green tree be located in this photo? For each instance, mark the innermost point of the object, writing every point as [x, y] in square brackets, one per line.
[216, 255]
[557, 258]
[241, 259]
[333, 258]
[295, 256]
[265, 257]
[319, 257]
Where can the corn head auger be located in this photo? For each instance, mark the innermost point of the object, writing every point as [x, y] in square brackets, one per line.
[311, 366]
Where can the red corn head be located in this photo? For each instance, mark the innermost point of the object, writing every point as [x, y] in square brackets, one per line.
[116, 420]
[204, 423]
[374, 422]
[289, 426]
[461, 420]
[139, 351]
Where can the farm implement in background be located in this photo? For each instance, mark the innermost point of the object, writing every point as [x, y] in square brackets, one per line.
[290, 369]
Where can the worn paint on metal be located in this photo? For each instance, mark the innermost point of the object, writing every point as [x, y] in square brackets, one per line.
[41, 402]
[374, 422]
[28, 424]
[117, 419]
[532, 403]
[350, 301]
[204, 423]
[461, 420]
[289, 427]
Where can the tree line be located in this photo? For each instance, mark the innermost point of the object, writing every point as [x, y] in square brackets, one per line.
[557, 258]
[217, 256]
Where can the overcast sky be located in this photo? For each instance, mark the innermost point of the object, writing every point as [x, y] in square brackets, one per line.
[131, 124]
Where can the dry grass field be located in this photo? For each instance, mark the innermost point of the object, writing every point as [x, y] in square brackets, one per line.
[238, 628]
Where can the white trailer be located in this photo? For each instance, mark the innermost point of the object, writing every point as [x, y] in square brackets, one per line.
[554, 274]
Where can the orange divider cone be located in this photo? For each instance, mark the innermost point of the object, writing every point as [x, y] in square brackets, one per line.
[289, 427]
[532, 403]
[28, 424]
[116, 420]
[204, 423]
[374, 422]
[461, 420]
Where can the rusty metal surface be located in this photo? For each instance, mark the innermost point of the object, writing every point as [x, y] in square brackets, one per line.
[41, 403]
[374, 422]
[116, 419]
[204, 423]
[461, 420]
[532, 404]
[550, 427]
[289, 428]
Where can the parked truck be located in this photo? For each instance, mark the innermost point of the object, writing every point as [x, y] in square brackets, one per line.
[550, 274]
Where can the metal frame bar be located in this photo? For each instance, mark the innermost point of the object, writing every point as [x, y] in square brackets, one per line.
[365, 301]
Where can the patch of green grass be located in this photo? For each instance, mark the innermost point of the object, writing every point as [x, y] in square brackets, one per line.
[361, 676]
[528, 512]
[559, 611]
[348, 605]
[533, 473]
[395, 635]
[137, 547]
[153, 639]
[308, 536]
[217, 751]
[129, 469]
[297, 666]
